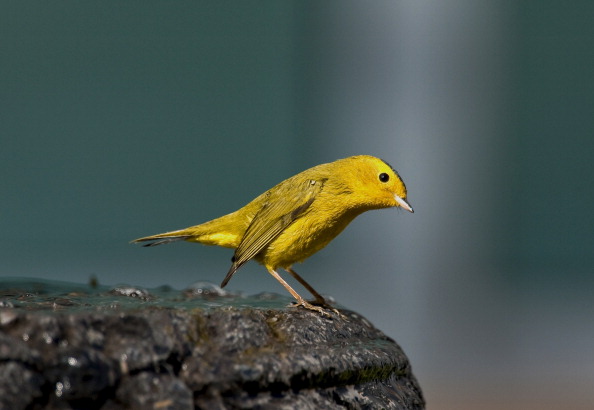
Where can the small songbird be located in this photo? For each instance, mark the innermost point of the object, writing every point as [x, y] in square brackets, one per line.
[298, 217]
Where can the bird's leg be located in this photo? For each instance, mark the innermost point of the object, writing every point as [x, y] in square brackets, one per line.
[320, 301]
[319, 298]
[300, 300]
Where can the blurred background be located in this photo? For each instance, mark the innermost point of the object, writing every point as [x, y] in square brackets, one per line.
[124, 119]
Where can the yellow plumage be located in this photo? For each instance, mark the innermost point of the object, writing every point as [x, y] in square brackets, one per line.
[298, 217]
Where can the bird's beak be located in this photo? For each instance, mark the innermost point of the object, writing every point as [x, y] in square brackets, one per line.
[403, 204]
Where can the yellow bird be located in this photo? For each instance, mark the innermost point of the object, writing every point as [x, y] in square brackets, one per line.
[298, 217]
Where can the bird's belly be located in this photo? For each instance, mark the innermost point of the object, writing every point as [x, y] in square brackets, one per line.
[301, 240]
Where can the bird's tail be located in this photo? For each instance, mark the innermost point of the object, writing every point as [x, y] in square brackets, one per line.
[163, 238]
[225, 231]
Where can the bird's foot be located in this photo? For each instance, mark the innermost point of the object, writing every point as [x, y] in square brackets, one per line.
[318, 306]
[326, 305]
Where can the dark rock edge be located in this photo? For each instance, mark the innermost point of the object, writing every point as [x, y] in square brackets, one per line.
[203, 358]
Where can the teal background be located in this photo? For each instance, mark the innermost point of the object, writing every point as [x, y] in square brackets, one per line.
[123, 119]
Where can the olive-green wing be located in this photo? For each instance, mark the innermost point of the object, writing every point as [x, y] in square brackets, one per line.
[282, 207]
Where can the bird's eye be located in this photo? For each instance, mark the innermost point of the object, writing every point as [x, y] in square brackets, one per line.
[384, 177]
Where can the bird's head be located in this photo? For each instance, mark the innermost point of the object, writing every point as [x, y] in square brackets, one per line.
[373, 183]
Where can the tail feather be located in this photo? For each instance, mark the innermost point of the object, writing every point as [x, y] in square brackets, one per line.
[162, 238]
[161, 241]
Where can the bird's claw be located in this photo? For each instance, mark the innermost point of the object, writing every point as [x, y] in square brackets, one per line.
[322, 308]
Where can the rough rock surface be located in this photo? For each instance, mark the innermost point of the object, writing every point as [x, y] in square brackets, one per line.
[66, 346]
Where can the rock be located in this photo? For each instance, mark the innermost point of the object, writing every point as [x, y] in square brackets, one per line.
[67, 346]
[19, 385]
[150, 390]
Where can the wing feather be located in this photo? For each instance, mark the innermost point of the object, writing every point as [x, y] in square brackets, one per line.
[272, 219]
